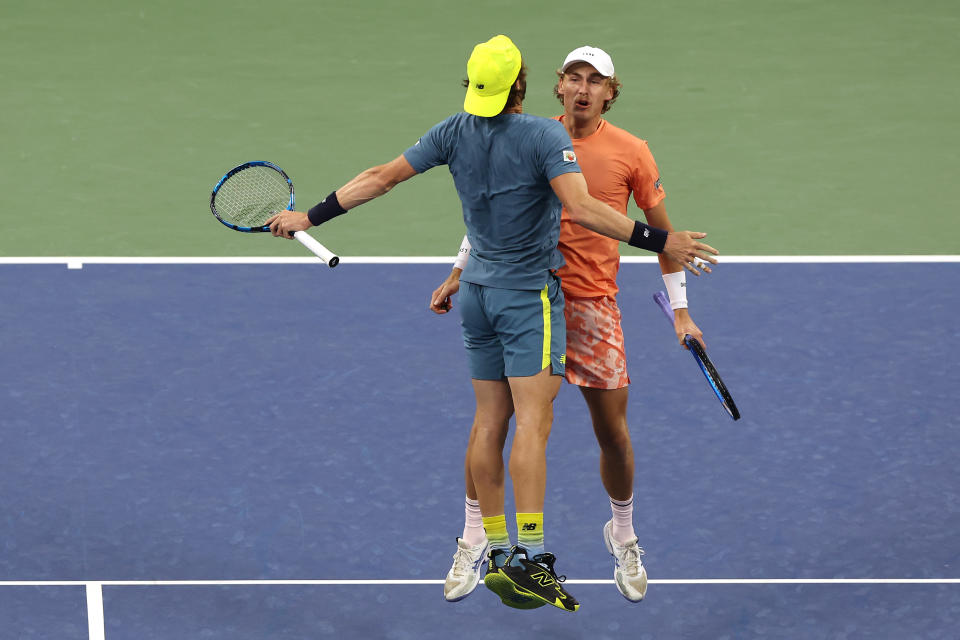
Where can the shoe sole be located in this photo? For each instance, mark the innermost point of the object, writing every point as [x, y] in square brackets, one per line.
[471, 590]
[625, 596]
[510, 594]
[459, 598]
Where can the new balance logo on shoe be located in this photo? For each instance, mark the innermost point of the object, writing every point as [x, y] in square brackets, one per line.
[537, 578]
[543, 578]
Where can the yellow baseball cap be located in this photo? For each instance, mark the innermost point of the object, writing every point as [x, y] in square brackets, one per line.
[492, 69]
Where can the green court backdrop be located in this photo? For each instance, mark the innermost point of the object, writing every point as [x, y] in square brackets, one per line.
[780, 127]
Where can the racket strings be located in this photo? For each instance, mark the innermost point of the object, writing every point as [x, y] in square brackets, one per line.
[251, 196]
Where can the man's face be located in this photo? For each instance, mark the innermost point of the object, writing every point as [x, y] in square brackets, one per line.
[584, 90]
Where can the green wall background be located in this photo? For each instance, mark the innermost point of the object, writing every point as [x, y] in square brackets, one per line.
[780, 127]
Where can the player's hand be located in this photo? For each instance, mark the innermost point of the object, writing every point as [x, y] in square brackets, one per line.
[684, 325]
[440, 299]
[286, 223]
[683, 247]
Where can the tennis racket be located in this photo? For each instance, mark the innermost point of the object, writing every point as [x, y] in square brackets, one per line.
[249, 195]
[700, 355]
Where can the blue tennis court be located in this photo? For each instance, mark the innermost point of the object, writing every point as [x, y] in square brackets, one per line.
[168, 429]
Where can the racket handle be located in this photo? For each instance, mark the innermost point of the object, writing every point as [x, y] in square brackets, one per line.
[661, 299]
[317, 249]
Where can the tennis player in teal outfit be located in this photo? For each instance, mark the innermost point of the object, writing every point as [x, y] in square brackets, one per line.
[512, 172]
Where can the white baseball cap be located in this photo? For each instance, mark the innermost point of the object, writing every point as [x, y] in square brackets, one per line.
[599, 58]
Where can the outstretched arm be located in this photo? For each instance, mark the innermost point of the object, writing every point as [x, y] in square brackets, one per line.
[372, 183]
[680, 246]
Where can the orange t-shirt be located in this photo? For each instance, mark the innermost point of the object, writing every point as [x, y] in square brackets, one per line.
[614, 164]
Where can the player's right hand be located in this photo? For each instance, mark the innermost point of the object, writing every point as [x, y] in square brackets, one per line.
[285, 223]
[684, 325]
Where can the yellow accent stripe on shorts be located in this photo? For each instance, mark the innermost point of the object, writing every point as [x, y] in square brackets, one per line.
[545, 299]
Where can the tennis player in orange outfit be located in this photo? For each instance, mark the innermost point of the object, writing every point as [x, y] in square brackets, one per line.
[615, 165]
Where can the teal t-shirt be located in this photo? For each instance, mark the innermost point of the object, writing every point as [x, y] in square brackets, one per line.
[502, 167]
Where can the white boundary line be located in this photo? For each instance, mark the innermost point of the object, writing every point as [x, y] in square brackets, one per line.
[77, 262]
[95, 611]
[95, 587]
[94, 590]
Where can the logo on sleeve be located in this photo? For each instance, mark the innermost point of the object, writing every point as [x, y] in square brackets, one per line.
[657, 185]
[569, 156]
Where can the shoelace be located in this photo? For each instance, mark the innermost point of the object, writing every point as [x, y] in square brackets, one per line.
[546, 560]
[631, 559]
[462, 562]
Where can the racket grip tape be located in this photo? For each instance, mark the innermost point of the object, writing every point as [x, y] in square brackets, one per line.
[661, 299]
[664, 303]
[317, 249]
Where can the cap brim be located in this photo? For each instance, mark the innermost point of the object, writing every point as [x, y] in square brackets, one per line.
[592, 63]
[485, 106]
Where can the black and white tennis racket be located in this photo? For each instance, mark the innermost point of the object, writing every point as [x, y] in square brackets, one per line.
[700, 355]
[249, 195]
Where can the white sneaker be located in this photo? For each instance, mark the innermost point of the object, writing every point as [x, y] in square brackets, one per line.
[628, 571]
[465, 573]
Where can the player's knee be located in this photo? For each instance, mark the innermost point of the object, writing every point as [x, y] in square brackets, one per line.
[487, 474]
[615, 439]
[533, 432]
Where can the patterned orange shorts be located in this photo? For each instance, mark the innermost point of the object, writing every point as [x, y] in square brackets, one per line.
[595, 351]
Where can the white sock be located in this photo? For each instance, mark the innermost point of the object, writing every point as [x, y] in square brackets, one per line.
[622, 528]
[473, 533]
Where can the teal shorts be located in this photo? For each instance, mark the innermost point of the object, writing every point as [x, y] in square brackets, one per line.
[513, 332]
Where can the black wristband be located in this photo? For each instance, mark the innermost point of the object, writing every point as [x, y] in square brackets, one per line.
[327, 208]
[647, 237]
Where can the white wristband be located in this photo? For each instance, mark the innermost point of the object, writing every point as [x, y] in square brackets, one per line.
[676, 289]
[461, 260]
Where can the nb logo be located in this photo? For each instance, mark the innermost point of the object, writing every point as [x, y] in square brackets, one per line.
[543, 579]
[479, 86]
[529, 526]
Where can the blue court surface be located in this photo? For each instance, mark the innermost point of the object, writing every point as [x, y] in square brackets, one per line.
[301, 428]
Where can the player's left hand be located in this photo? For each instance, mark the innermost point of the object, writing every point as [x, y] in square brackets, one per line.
[286, 223]
[698, 263]
[683, 248]
[440, 298]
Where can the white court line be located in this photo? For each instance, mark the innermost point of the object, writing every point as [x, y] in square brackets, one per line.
[77, 262]
[95, 619]
[218, 583]
[95, 611]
